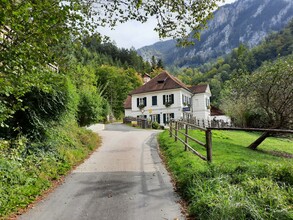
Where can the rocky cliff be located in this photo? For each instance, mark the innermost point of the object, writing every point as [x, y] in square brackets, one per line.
[244, 21]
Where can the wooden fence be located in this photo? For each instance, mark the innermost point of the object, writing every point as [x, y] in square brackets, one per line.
[177, 126]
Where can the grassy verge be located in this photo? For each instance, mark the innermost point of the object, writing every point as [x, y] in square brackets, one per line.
[28, 169]
[240, 184]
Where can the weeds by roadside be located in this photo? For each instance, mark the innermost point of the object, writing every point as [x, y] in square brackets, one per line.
[238, 185]
[27, 169]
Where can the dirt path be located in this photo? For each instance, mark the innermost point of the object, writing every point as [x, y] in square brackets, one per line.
[124, 179]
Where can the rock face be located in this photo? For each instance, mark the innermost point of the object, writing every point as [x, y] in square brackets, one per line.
[244, 21]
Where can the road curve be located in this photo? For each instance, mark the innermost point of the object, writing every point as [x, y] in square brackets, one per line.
[123, 180]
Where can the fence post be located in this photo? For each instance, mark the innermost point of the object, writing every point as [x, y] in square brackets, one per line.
[186, 138]
[170, 129]
[209, 144]
[176, 130]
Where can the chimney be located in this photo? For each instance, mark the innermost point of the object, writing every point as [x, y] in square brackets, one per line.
[146, 78]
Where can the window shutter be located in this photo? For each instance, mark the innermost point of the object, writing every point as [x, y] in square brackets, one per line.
[172, 115]
[159, 121]
[137, 102]
[164, 118]
[145, 101]
[154, 100]
[164, 99]
[172, 98]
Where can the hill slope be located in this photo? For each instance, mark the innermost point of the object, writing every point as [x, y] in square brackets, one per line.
[245, 21]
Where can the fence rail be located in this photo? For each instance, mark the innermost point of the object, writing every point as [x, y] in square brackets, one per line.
[183, 127]
[177, 126]
[255, 129]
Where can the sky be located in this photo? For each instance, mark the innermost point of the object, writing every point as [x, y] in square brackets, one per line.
[134, 34]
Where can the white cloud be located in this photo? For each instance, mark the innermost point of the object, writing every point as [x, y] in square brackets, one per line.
[133, 34]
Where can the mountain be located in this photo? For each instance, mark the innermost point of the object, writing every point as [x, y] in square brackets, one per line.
[242, 22]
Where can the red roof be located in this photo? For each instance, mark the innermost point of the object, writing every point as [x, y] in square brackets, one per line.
[163, 81]
[127, 103]
[216, 111]
[198, 88]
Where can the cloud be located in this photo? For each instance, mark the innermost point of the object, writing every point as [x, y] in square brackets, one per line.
[133, 34]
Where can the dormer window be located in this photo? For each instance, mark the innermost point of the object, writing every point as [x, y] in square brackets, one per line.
[161, 81]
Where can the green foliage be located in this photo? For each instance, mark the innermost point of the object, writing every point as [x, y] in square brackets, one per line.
[89, 108]
[108, 53]
[40, 109]
[118, 83]
[240, 184]
[263, 98]
[174, 18]
[155, 125]
[240, 60]
[50, 79]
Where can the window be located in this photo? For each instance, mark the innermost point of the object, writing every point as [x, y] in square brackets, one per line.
[155, 118]
[186, 100]
[141, 102]
[167, 117]
[154, 100]
[207, 102]
[168, 99]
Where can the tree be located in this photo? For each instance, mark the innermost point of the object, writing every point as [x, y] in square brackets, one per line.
[263, 98]
[271, 85]
[117, 83]
[174, 18]
[34, 34]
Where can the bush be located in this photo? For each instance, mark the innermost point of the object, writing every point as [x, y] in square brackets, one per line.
[41, 109]
[155, 125]
[89, 108]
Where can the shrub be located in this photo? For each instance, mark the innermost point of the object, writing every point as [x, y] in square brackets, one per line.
[40, 109]
[89, 108]
[155, 125]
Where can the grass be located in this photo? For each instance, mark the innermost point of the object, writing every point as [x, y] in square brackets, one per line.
[29, 168]
[240, 183]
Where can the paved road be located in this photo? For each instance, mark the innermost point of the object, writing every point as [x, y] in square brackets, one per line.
[123, 180]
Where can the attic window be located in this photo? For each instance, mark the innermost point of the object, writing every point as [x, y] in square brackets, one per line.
[161, 81]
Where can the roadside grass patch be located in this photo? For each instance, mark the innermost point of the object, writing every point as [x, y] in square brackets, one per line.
[27, 169]
[239, 184]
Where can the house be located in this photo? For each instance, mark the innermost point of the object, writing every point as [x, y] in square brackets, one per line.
[219, 117]
[165, 97]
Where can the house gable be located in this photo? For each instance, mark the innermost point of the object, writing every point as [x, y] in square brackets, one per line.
[163, 81]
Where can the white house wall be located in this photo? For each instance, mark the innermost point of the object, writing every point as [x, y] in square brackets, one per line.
[201, 106]
[199, 109]
[160, 108]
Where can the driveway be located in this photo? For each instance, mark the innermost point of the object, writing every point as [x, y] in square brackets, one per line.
[123, 180]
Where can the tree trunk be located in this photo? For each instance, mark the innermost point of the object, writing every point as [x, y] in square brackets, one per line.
[255, 144]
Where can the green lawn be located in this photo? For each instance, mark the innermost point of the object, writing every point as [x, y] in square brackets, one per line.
[240, 183]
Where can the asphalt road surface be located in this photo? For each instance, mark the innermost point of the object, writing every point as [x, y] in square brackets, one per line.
[123, 180]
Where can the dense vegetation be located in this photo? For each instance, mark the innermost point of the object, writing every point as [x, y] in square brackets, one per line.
[227, 76]
[52, 85]
[240, 184]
